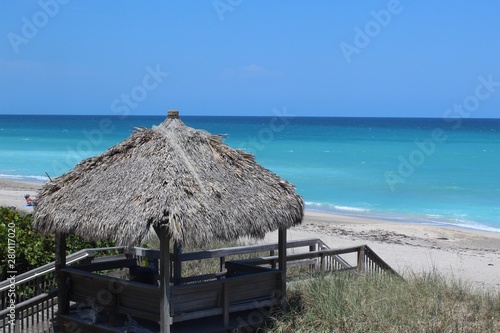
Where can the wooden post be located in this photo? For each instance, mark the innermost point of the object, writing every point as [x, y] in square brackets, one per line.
[222, 264]
[361, 260]
[60, 252]
[312, 248]
[177, 264]
[282, 265]
[164, 279]
[225, 303]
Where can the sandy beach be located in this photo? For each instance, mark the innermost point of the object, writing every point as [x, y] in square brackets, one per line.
[460, 254]
[12, 193]
[468, 255]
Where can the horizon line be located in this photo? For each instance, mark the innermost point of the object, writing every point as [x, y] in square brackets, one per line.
[238, 116]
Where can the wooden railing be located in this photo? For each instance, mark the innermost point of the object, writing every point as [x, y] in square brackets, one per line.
[225, 254]
[329, 260]
[150, 257]
[225, 296]
[36, 304]
[119, 297]
[372, 263]
[28, 301]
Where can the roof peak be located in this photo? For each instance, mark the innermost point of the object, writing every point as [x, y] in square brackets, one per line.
[173, 114]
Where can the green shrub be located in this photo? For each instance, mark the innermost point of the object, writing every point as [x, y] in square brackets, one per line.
[32, 249]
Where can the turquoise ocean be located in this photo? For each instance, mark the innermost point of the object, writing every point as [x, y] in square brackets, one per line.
[428, 171]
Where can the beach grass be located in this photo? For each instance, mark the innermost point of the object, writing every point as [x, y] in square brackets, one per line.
[347, 303]
[343, 303]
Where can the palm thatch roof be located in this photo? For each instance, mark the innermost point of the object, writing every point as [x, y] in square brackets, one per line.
[173, 175]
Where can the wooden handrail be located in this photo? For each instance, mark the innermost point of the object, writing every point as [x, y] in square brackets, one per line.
[364, 250]
[217, 253]
[38, 287]
[224, 252]
[36, 299]
[318, 257]
[49, 268]
[369, 253]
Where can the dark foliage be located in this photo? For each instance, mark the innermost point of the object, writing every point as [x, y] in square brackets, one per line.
[32, 249]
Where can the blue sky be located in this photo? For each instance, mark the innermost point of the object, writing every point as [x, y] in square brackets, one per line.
[248, 57]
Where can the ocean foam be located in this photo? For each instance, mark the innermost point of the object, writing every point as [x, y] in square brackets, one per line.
[332, 207]
[351, 209]
[425, 219]
[37, 179]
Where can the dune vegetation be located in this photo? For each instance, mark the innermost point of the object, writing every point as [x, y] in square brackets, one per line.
[345, 303]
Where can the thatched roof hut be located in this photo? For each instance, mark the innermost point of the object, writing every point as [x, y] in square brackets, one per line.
[172, 175]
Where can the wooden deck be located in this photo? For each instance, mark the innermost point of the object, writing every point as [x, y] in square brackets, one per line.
[246, 321]
[115, 299]
[240, 295]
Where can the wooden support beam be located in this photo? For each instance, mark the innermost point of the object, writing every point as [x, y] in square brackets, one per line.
[272, 254]
[222, 263]
[282, 265]
[60, 263]
[361, 260]
[312, 248]
[165, 320]
[177, 263]
[225, 304]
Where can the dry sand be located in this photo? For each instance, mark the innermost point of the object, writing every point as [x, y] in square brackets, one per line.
[12, 193]
[460, 254]
[468, 255]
